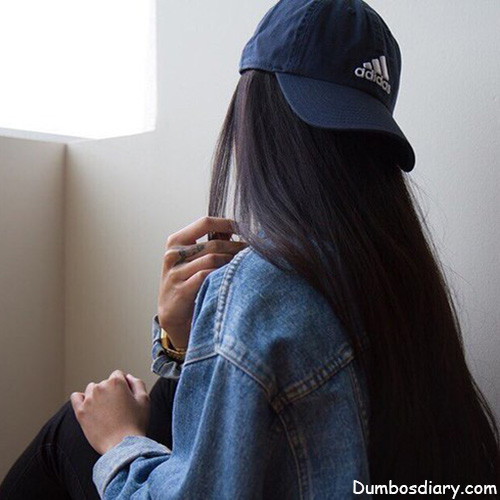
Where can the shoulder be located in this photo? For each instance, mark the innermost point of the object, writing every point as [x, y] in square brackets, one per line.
[271, 323]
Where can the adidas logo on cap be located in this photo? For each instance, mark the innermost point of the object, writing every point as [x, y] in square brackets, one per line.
[376, 71]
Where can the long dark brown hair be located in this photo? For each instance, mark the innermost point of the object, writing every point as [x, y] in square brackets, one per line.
[374, 260]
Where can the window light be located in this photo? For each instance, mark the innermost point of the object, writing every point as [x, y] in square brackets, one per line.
[78, 68]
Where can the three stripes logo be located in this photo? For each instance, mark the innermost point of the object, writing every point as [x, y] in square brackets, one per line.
[376, 71]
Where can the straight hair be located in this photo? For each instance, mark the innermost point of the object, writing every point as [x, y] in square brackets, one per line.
[339, 210]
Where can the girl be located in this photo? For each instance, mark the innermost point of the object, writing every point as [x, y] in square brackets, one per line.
[321, 357]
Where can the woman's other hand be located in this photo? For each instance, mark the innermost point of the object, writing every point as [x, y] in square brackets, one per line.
[185, 266]
[114, 408]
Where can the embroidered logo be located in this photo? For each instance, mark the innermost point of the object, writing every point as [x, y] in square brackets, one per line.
[376, 71]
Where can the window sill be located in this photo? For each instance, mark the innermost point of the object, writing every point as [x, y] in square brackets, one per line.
[40, 136]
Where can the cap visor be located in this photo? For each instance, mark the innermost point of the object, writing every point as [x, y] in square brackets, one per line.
[338, 107]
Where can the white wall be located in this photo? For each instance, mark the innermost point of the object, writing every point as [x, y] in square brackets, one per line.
[31, 290]
[125, 195]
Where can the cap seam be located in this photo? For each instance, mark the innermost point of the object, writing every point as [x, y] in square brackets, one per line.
[379, 28]
[294, 58]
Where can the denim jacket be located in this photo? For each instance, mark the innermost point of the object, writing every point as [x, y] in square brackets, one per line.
[270, 402]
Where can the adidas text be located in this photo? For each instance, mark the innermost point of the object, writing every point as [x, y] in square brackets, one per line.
[376, 71]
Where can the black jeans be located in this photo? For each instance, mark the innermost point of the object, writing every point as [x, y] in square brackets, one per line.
[58, 463]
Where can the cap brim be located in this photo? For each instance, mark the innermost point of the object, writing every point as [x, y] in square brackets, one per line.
[338, 107]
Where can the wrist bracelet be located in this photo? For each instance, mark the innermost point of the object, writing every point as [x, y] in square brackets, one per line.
[176, 353]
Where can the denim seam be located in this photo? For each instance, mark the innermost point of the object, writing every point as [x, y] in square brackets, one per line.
[359, 400]
[199, 347]
[235, 363]
[236, 351]
[224, 292]
[276, 426]
[201, 358]
[318, 378]
[294, 454]
[232, 362]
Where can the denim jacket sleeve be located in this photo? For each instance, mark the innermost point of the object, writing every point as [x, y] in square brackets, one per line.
[269, 404]
[221, 428]
[162, 364]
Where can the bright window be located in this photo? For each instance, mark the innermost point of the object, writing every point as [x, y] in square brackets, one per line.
[84, 68]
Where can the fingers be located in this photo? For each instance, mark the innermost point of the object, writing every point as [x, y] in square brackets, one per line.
[199, 228]
[89, 389]
[193, 284]
[222, 236]
[118, 374]
[137, 386]
[209, 261]
[117, 378]
[178, 255]
[77, 399]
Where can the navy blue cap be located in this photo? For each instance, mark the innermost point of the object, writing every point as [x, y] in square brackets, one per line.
[337, 63]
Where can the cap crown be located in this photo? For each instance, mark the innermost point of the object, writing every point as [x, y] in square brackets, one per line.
[344, 42]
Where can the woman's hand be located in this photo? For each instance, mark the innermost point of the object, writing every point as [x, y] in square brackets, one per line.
[114, 408]
[185, 266]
